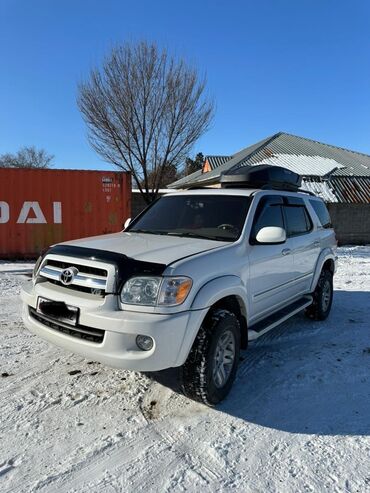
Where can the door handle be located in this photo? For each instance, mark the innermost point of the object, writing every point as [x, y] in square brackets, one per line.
[286, 251]
[316, 243]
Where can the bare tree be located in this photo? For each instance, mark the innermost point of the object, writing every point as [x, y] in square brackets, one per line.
[144, 111]
[169, 175]
[27, 157]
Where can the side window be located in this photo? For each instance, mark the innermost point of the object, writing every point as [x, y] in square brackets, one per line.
[268, 213]
[297, 219]
[322, 213]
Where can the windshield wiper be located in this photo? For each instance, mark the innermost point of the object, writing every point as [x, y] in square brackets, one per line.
[148, 232]
[185, 234]
[203, 237]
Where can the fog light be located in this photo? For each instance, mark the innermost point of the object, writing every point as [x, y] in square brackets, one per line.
[145, 343]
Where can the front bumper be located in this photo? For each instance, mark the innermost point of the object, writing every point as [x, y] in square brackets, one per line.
[173, 334]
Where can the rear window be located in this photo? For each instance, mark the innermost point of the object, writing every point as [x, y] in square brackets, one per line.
[322, 213]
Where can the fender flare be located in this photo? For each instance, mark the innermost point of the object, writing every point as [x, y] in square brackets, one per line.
[211, 292]
[219, 288]
[326, 254]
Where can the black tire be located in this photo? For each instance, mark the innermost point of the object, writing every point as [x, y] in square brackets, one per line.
[198, 379]
[322, 297]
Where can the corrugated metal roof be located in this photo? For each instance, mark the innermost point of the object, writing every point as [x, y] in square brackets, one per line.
[344, 189]
[213, 175]
[192, 178]
[305, 156]
[216, 161]
[302, 164]
[284, 148]
[351, 189]
[320, 188]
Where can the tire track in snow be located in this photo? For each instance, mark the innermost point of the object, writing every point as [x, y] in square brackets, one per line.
[157, 443]
[193, 458]
[119, 451]
[43, 364]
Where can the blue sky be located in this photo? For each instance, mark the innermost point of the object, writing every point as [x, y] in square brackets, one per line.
[298, 66]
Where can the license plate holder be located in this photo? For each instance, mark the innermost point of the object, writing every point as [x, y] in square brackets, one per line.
[58, 310]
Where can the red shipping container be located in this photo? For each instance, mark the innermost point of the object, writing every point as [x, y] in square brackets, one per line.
[40, 207]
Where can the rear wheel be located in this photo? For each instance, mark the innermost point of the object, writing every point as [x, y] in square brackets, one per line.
[322, 297]
[209, 371]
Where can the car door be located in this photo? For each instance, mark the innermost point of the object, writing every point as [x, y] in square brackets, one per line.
[271, 266]
[306, 244]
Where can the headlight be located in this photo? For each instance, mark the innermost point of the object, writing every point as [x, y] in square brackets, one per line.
[167, 291]
[174, 290]
[141, 290]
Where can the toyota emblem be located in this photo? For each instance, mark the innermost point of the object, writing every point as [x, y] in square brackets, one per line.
[67, 275]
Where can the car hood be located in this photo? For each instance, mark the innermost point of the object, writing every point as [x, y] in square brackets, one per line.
[148, 247]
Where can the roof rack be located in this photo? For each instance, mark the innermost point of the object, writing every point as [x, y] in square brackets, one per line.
[307, 191]
[197, 187]
[300, 190]
[262, 176]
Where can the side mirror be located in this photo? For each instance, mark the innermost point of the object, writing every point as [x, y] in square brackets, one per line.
[127, 222]
[271, 235]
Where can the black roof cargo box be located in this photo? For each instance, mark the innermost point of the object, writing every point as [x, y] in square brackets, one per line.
[263, 175]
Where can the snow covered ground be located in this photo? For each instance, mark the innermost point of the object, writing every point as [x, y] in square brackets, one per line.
[297, 419]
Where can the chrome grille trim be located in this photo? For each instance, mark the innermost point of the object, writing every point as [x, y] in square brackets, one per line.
[85, 280]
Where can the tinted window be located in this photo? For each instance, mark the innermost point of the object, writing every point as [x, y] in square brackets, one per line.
[298, 220]
[322, 213]
[268, 213]
[214, 217]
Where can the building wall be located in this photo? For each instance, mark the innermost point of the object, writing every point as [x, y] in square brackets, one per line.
[351, 223]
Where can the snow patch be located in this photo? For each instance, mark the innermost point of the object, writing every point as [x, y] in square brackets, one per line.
[303, 164]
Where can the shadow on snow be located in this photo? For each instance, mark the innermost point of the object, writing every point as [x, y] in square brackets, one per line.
[306, 376]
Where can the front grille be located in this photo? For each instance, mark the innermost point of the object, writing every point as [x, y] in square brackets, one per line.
[78, 331]
[86, 269]
[88, 279]
[82, 289]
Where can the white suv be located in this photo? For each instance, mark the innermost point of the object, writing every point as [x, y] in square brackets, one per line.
[190, 280]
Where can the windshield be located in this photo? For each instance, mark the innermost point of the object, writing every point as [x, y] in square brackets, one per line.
[212, 217]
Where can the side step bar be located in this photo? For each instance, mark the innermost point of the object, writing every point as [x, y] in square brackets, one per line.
[260, 328]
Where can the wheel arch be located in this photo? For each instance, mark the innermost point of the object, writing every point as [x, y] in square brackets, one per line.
[326, 261]
[226, 292]
[234, 304]
[329, 265]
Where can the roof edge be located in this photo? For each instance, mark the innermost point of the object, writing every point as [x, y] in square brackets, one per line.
[264, 143]
[325, 144]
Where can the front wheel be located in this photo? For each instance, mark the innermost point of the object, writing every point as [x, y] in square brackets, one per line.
[209, 371]
[322, 297]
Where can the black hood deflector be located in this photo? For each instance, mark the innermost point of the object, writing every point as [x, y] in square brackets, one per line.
[126, 267]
